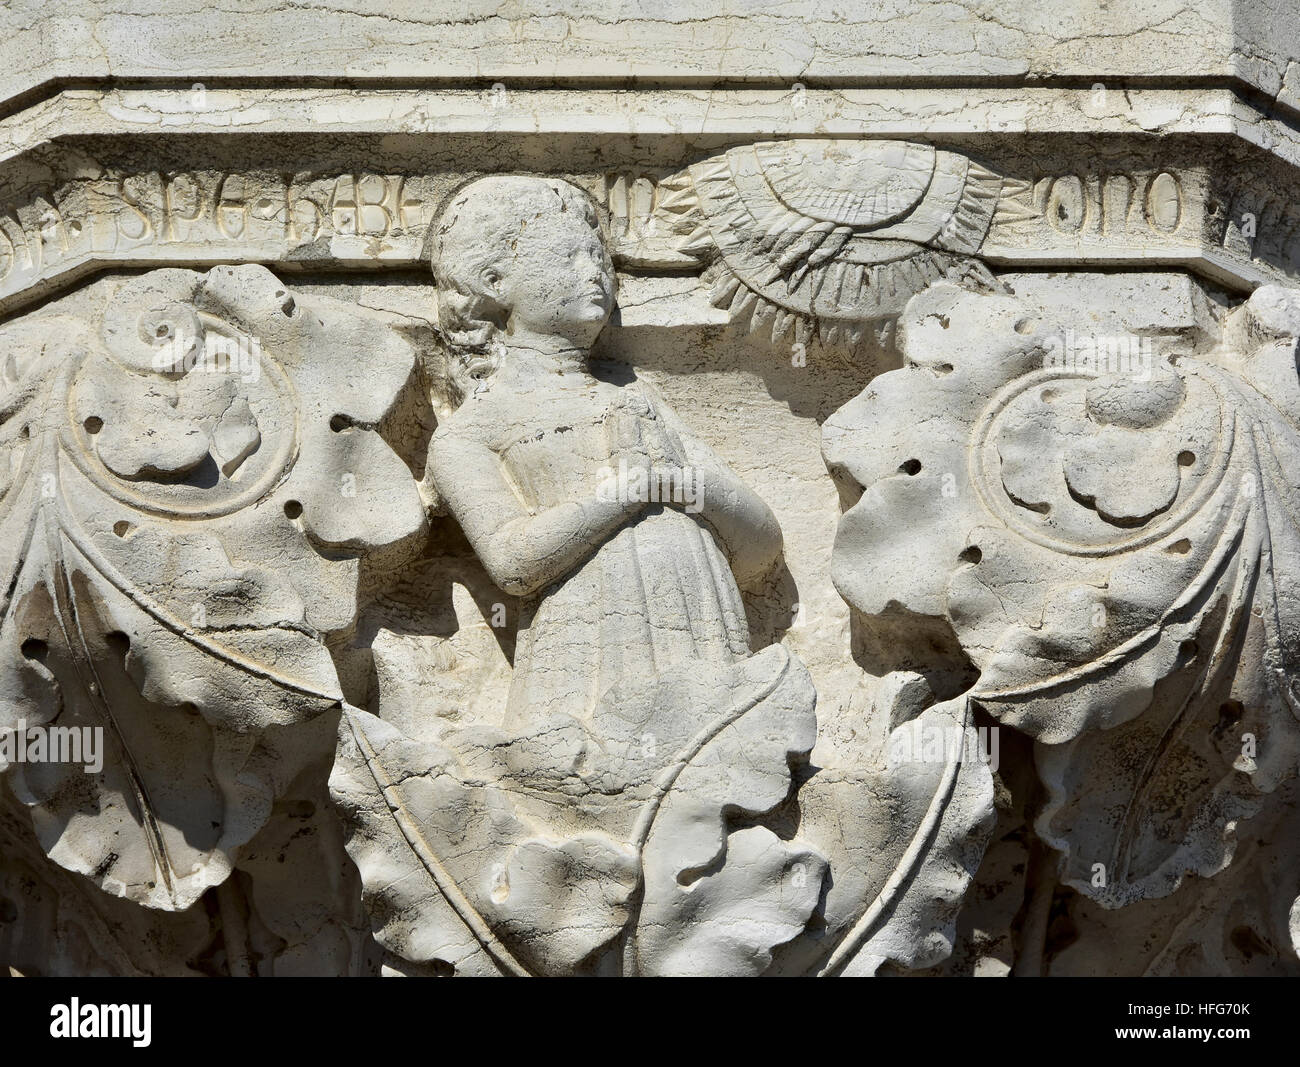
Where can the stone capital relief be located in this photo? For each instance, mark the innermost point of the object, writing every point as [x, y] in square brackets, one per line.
[212, 477]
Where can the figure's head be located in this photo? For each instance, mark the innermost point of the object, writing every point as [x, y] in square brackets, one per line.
[520, 256]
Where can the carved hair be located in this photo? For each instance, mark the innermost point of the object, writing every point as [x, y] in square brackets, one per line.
[477, 230]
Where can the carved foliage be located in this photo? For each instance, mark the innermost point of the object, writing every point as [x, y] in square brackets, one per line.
[183, 487]
[1114, 548]
[575, 849]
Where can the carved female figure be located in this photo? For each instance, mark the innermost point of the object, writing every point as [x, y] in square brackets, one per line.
[626, 536]
[570, 837]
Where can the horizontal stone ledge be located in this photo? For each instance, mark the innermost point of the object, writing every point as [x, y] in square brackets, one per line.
[706, 40]
[707, 117]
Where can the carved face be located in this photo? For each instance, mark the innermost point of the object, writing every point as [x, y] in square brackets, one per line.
[558, 280]
[522, 255]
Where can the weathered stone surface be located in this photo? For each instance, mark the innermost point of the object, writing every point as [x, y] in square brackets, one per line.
[596, 490]
[371, 42]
